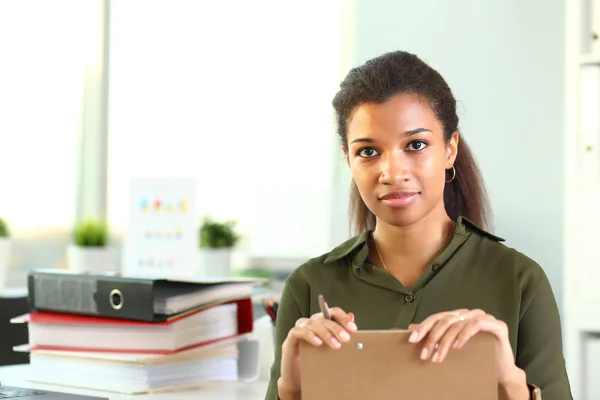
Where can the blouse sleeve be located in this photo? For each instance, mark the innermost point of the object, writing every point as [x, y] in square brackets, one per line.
[290, 310]
[539, 347]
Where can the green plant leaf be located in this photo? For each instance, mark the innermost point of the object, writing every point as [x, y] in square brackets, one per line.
[215, 234]
[91, 233]
[4, 230]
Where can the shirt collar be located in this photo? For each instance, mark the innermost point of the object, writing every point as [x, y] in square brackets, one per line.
[358, 243]
[348, 247]
[465, 225]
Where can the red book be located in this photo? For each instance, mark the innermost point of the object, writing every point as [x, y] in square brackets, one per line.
[86, 333]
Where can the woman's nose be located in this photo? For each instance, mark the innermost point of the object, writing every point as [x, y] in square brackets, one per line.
[394, 169]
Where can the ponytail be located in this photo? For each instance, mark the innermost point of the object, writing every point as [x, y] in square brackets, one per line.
[465, 195]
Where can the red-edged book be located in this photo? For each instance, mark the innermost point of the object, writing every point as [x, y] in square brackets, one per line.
[201, 326]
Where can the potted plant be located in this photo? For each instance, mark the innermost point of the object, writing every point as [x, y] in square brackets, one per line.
[4, 252]
[217, 240]
[89, 251]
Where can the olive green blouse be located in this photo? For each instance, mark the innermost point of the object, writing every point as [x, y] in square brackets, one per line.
[475, 270]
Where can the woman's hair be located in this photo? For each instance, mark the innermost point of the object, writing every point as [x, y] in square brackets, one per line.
[400, 72]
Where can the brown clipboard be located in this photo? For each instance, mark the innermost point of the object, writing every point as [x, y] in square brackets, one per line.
[385, 365]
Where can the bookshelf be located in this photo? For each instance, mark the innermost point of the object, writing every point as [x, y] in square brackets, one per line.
[581, 269]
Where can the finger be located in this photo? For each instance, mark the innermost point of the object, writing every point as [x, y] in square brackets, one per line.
[435, 334]
[329, 331]
[424, 327]
[447, 341]
[301, 322]
[343, 318]
[300, 332]
[485, 323]
[432, 338]
[340, 333]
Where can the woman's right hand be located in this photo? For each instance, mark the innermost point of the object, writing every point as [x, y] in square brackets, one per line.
[318, 331]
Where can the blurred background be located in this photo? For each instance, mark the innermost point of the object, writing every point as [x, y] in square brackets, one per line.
[236, 96]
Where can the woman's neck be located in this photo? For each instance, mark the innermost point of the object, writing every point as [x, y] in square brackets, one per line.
[408, 250]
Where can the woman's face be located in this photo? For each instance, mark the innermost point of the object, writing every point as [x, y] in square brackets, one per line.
[398, 157]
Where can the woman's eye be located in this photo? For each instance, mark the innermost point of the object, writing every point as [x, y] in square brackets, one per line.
[417, 145]
[367, 152]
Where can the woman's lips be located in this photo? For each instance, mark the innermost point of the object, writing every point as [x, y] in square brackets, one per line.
[399, 199]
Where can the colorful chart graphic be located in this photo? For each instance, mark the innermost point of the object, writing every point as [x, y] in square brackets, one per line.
[162, 236]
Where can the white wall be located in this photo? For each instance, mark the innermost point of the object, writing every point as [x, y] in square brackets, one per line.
[504, 62]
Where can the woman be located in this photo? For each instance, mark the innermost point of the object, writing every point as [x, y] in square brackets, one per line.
[421, 257]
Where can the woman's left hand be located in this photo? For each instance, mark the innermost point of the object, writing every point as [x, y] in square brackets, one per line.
[442, 332]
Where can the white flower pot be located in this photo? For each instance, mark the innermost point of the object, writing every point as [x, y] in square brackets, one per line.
[88, 259]
[214, 262]
[5, 245]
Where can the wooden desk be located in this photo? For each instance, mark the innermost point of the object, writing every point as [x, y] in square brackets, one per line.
[17, 375]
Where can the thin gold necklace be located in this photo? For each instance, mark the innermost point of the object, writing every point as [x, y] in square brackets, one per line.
[379, 254]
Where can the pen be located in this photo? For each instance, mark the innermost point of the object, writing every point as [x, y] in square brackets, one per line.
[324, 307]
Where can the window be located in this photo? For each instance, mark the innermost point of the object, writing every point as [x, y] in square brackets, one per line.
[236, 95]
[41, 83]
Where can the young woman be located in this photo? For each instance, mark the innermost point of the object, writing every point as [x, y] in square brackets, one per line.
[421, 257]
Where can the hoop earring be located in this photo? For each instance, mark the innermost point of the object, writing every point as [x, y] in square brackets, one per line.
[453, 175]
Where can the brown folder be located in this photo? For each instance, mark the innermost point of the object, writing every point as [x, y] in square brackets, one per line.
[385, 365]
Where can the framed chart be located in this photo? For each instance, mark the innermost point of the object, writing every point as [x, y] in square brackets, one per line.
[162, 234]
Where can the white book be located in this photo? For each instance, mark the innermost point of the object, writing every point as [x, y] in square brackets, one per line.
[170, 300]
[91, 333]
[136, 373]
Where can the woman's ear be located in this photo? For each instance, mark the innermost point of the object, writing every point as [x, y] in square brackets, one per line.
[452, 150]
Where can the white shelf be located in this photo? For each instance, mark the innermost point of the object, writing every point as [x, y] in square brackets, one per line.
[589, 59]
[581, 301]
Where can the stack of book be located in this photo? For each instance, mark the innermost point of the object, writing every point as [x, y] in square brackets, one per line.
[134, 335]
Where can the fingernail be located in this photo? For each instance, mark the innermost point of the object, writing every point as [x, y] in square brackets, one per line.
[317, 341]
[413, 337]
[424, 353]
[345, 336]
[352, 326]
[435, 357]
[456, 344]
[335, 343]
